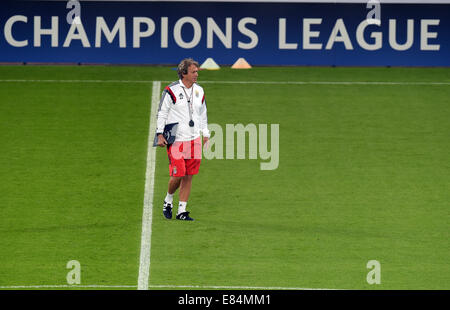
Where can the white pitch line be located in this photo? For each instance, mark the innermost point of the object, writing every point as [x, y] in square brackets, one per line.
[323, 82]
[66, 286]
[146, 236]
[218, 287]
[241, 82]
[74, 81]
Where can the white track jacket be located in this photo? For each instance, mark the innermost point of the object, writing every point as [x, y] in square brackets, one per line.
[174, 108]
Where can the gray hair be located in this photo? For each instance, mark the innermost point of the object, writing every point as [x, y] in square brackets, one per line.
[182, 68]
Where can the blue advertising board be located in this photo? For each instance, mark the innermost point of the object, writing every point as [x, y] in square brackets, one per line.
[341, 33]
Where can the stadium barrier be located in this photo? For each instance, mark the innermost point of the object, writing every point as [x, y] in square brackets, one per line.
[323, 33]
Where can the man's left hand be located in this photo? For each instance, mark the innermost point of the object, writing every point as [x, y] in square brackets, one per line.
[205, 142]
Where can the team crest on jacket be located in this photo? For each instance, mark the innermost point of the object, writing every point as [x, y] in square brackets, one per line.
[196, 93]
[181, 96]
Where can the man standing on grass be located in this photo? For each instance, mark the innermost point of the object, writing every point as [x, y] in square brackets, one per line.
[183, 102]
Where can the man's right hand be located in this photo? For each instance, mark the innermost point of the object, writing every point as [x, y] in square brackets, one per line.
[161, 140]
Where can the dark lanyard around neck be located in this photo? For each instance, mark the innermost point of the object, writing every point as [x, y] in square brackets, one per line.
[191, 112]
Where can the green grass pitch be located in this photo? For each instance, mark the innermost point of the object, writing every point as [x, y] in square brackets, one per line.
[363, 175]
